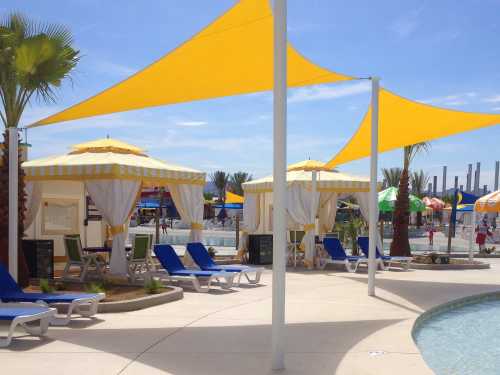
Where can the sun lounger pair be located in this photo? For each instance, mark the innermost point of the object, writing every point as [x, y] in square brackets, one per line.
[384, 261]
[175, 270]
[209, 271]
[337, 254]
[203, 260]
[83, 304]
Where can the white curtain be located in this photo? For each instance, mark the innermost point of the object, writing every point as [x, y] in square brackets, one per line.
[251, 220]
[33, 199]
[188, 200]
[327, 211]
[363, 199]
[299, 209]
[115, 198]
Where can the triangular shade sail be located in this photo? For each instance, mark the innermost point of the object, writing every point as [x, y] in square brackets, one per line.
[403, 122]
[231, 56]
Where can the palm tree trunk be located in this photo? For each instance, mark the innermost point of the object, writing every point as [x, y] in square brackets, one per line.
[400, 245]
[419, 219]
[23, 274]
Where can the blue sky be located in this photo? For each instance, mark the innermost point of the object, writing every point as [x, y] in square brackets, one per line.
[445, 53]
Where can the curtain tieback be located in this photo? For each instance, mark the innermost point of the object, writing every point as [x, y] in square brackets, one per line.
[196, 226]
[308, 227]
[117, 229]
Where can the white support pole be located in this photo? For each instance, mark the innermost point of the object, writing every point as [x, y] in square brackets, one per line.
[13, 201]
[279, 186]
[314, 189]
[471, 237]
[372, 225]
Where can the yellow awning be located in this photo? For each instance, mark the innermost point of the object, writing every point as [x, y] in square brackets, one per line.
[99, 163]
[489, 203]
[233, 198]
[231, 56]
[308, 165]
[403, 122]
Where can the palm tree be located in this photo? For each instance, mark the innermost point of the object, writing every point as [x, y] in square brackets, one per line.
[400, 245]
[34, 60]
[419, 181]
[220, 179]
[392, 176]
[237, 180]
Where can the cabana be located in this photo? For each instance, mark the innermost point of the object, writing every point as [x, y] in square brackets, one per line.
[312, 193]
[113, 173]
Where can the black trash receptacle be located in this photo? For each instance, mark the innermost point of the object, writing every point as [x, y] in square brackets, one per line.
[260, 249]
[39, 255]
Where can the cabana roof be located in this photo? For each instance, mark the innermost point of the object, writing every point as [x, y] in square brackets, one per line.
[109, 159]
[326, 180]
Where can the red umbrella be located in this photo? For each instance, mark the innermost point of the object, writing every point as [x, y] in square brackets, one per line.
[434, 203]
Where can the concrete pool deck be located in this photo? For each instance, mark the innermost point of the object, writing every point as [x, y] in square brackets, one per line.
[333, 328]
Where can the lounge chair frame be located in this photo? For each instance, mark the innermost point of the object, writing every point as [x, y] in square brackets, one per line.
[76, 258]
[44, 319]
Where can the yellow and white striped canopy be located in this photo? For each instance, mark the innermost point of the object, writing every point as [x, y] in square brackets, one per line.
[489, 203]
[326, 181]
[98, 162]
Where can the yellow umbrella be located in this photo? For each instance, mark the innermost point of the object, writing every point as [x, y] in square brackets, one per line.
[308, 165]
[233, 198]
[488, 203]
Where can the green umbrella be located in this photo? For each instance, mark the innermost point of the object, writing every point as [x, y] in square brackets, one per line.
[387, 200]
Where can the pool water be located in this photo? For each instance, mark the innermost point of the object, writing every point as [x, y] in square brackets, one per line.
[462, 341]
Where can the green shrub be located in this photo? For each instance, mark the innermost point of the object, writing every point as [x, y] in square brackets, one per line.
[153, 286]
[94, 288]
[45, 287]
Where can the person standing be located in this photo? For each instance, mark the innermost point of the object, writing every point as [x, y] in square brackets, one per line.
[482, 231]
[431, 230]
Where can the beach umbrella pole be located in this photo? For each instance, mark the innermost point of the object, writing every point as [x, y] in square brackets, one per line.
[13, 201]
[471, 237]
[279, 189]
[372, 224]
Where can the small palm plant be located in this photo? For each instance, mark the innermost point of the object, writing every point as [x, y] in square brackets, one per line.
[220, 179]
[237, 180]
[419, 181]
[400, 245]
[391, 176]
[34, 60]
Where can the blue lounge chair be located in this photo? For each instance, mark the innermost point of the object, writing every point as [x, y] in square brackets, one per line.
[338, 256]
[21, 314]
[203, 259]
[404, 262]
[177, 272]
[82, 304]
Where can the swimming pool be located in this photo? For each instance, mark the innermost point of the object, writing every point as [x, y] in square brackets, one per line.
[462, 341]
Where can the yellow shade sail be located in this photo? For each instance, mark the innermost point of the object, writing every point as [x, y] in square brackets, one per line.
[233, 198]
[403, 122]
[308, 165]
[489, 203]
[231, 56]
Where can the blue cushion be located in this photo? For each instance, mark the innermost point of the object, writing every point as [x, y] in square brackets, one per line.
[196, 273]
[7, 283]
[45, 297]
[168, 258]
[9, 313]
[201, 256]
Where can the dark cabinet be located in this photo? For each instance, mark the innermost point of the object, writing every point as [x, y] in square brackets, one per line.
[39, 256]
[260, 249]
